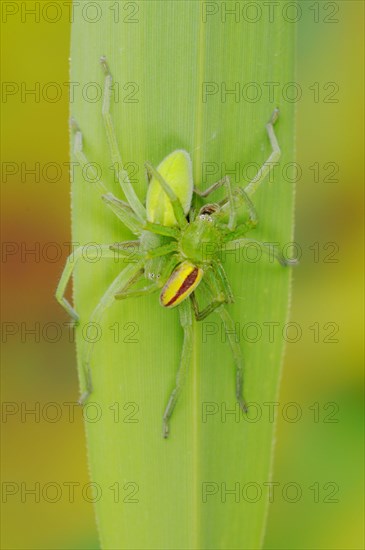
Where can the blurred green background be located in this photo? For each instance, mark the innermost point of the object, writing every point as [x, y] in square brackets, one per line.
[321, 453]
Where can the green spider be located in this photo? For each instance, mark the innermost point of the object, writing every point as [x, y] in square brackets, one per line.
[173, 240]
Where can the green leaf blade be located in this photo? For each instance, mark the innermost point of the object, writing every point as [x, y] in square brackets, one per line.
[154, 492]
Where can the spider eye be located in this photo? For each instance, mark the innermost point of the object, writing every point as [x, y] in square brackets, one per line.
[151, 275]
[205, 217]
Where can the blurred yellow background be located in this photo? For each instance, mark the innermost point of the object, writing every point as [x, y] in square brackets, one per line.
[319, 436]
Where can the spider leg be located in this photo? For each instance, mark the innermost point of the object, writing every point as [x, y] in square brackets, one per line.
[159, 229]
[241, 196]
[202, 314]
[271, 161]
[122, 174]
[162, 250]
[128, 248]
[121, 209]
[136, 293]
[240, 199]
[186, 323]
[157, 284]
[218, 305]
[101, 251]
[78, 151]
[214, 285]
[211, 189]
[174, 199]
[224, 283]
[236, 352]
[126, 278]
[232, 211]
[124, 212]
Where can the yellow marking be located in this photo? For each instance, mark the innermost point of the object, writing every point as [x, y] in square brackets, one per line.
[181, 284]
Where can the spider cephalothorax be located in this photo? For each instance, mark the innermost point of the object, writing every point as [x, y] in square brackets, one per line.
[178, 246]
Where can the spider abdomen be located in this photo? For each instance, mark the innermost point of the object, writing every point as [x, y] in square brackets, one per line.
[182, 282]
